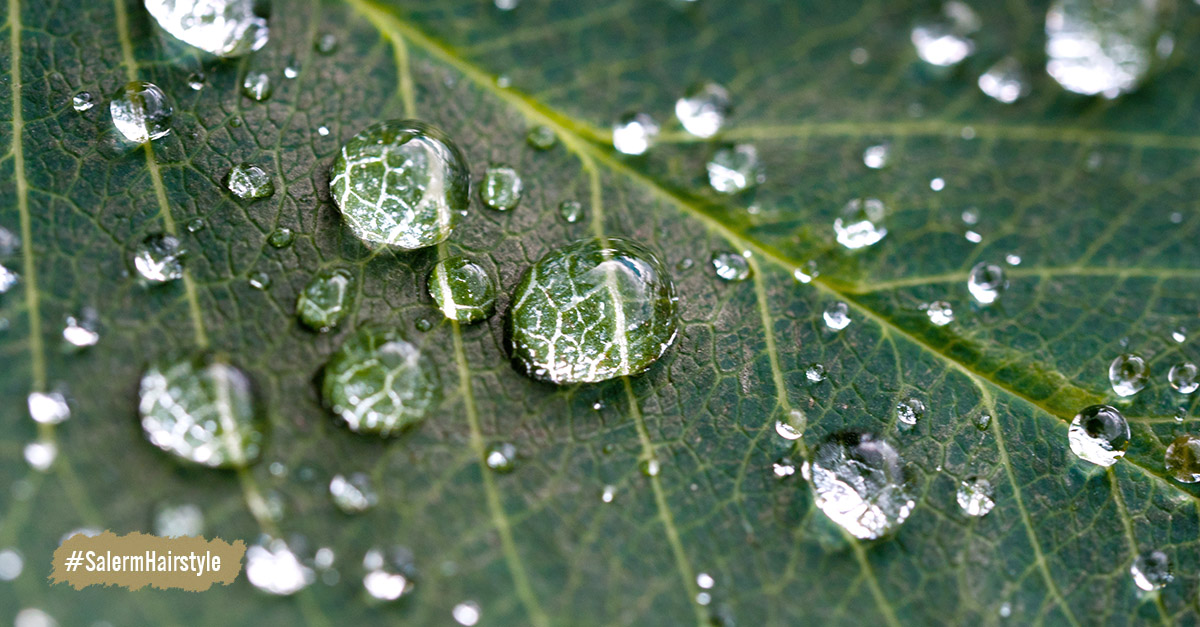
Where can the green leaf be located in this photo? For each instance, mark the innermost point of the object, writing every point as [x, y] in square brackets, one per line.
[1096, 197]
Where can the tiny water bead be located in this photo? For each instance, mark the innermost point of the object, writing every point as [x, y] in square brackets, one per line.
[463, 290]
[634, 133]
[1099, 434]
[940, 312]
[985, 282]
[257, 86]
[876, 157]
[226, 28]
[401, 183]
[1005, 81]
[290, 72]
[859, 482]
[734, 169]
[1184, 378]
[1101, 48]
[859, 224]
[1128, 374]
[501, 457]
[909, 411]
[501, 189]
[8, 279]
[541, 137]
[272, 567]
[571, 211]
[83, 101]
[379, 383]
[196, 81]
[48, 408]
[141, 112]
[390, 573]
[249, 182]
[82, 330]
[608, 494]
[326, 300]
[815, 373]
[466, 613]
[650, 467]
[260, 280]
[976, 496]
[792, 426]
[40, 454]
[703, 109]
[159, 259]
[1182, 459]
[837, 316]
[1151, 571]
[281, 237]
[201, 409]
[423, 324]
[945, 41]
[326, 44]
[353, 494]
[731, 266]
[593, 310]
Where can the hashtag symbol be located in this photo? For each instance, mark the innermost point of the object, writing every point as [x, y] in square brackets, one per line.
[74, 561]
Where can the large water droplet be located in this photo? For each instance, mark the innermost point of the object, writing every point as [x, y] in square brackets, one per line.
[201, 410]
[326, 300]
[733, 169]
[1151, 570]
[634, 133]
[352, 494]
[159, 259]
[462, 289]
[975, 496]
[257, 86]
[1101, 48]
[1128, 374]
[731, 266]
[179, 521]
[1099, 434]
[501, 457]
[1184, 377]
[379, 383]
[272, 567]
[401, 183]
[83, 101]
[1005, 81]
[940, 312]
[249, 182]
[501, 189]
[226, 28]
[859, 482]
[985, 282]
[1182, 459]
[48, 408]
[702, 109]
[859, 224]
[592, 310]
[141, 112]
[945, 41]
[390, 573]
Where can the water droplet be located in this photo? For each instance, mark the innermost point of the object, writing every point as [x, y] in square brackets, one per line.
[501, 189]
[1101, 48]
[940, 312]
[82, 330]
[11, 564]
[501, 457]
[272, 567]
[281, 237]
[179, 521]
[1179, 335]
[983, 421]
[634, 133]
[703, 109]
[1184, 377]
[937, 184]
[731, 266]
[83, 101]
[506, 5]
[1128, 374]
[290, 72]
[541, 137]
[609, 494]
[1151, 570]
[909, 411]
[196, 80]
[402, 183]
[260, 280]
[326, 43]
[858, 226]
[837, 316]
[33, 617]
[1012, 259]
[1005, 81]
[985, 282]
[257, 86]
[462, 289]
[40, 454]
[423, 324]
[323, 130]
[650, 467]
[876, 157]
[249, 182]
[1099, 434]
[592, 310]
[48, 408]
[389, 573]
[226, 28]
[859, 483]
[571, 211]
[705, 581]
[976, 496]
[783, 468]
[815, 373]
[1182, 459]
[792, 427]
[352, 494]
[945, 41]
[466, 613]
[379, 383]
[141, 112]
[196, 225]
[973, 236]
[159, 259]
[201, 409]
[8, 279]
[734, 169]
[860, 56]
[326, 300]
[8, 243]
[807, 272]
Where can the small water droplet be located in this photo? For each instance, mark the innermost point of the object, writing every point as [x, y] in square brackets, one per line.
[945, 40]
[1128, 374]
[327, 43]
[141, 112]
[685, 264]
[734, 169]
[501, 189]
[731, 266]
[1182, 459]
[34, 617]
[353, 494]
[650, 467]
[876, 157]
[323, 130]
[985, 282]
[705, 581]
[859, 482]
[806, 272]
[940, 312]
[783, 468]
[983, 421]
[703, 109]
[83, 101]
[792, 426]
[1184, 377]
[272, 567]
[609, 494]
[571, 211]
[1179, 335]
[423, 324]
[260, 280]
[976, 496]
[1012, 259]
[501, 457]
[1005, 81]
[179, 521]
[815, 373]
[40, 454]
[159, 259]
[909, 411]
[11, 564]
[541, 137]
[1151, 571]
[226, 28]
[326, 300]
[379, 383]
[937, 184]
[257, 86]
[197, 80]
[634, 133]
[466, 613]
[281, 237]
[48, 408]
[290, 72]
[973, 236]
[1101, 49]
[249, 182]
[1099, 434]
[389, 573]
[860, 56]
[859, 226]
[837, 316]
[82, 330]
[463, 290]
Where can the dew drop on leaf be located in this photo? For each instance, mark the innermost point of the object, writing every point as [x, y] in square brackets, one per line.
[423, 324]
[731, 266]
[179, 521]
[592, 310]
[1095, 48]
[466, 613]
[1128, 374]
[608, 494]
[290, 72]
[463, 290]
[402, 183]
[195, 225]
[197, 80]
[945, 40]
[34, 617]
[1005, 81]
[650, 467]
[83, 101]
[1184, 377]
[379, 383]
[226, 28]
[40, 454]
[983, 421]
[260, 280]
[159, 259]
[909, 411]
[792, 426]
[837, 316]
[975, 496]
[815, 373]
[940, 312]
[501, 189]
[571, 211]
[634, 133]
[48, 408]
[1099, 434]
[541, 137]
[326, 300]
[859, 224]
[703, 109]
[783, 468]
[859, 482]
[1182, 459]
[390, 573]
[82, 330]
[257, 86]
[1151, 571]
[352, 494]
[141, 112]
[876, 157]
[806, 272]
[985, 282]
[501, 457]
[326, 44]
[272, 567]
[249, 182]
[11, 564]
[734, 169]
[281, 237]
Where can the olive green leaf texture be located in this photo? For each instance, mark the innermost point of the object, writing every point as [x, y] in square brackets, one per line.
[1096, 197]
